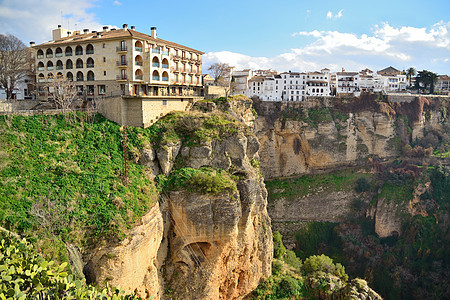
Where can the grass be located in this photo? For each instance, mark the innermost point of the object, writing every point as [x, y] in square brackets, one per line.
[60, 176]
[292, 188]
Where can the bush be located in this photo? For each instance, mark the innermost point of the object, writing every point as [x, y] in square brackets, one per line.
[277, 267]
[362, 185]
[278, 248]
[322, 263]
[288, 287]
[291, 259]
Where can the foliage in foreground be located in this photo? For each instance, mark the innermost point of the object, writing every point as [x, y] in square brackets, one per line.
[24, 274]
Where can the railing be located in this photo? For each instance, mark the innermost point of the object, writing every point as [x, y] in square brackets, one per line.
[79, 66]
[90, 79]
[69, 67]
[40, 56]
[165, 66]
[80, 79]
[138, 63]
[89, 51]
[121, 77]
[89, 65]
[59, 67]
[155, 78]
[156, 51]
[139, 77]
[165, 52]
[155, 64]
[121, 48]
[69, 53]
[41, 69]
[165, 79]
[138, 49]
[59, 54]
[41, 79]
[50, 68]
[121, 63]
[49, 55]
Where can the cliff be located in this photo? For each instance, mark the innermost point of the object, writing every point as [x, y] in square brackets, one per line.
[210, 237]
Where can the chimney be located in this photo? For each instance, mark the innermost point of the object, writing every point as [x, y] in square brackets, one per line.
[133, 27]
[59, 26]
[125, 26]
[153, 30]
[32, 44]
[85, 31]
[69, 33]
[105, 28]
[99, 34]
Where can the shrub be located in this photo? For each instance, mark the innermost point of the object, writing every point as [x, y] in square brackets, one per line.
[277, 267]
[291, 259]
[322, 263]
[288, 287]
[278, 248]
[362, 185]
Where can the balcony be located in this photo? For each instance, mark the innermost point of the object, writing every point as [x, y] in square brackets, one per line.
[155, 78]
[59, 67]
[165, 52]
[121, 49]
[79, 66]
[59, 55]
[122, 77]
[138, 63]
[156, 65]
[157, 51]
[69, 53]
[40, 56]
[121, 63]
[69, 67]
[89, 51]
[139, 77]
[41, 69]
[89, 65]
[165, 79]
[139, 49]
[49, 68]
[165, 66]
[49, 55]
[90, 79]
[79, 53]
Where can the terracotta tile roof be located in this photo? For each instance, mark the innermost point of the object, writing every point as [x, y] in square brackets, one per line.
[347, 73]
[112, 34]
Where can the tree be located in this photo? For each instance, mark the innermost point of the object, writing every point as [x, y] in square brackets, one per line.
[62, 91]
[219, 71]
[15, 62]
[426, 78]
[409, 73]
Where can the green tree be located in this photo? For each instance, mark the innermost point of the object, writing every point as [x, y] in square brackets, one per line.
[409, 73]
[426, 78]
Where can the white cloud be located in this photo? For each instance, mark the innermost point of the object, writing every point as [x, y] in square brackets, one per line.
[400, 47]
[36, 22]
[330, 15]
[117, 3]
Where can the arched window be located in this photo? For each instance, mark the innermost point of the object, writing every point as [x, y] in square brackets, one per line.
[49, 66]
[138, 46]
[155, 75]
[69, 76]
[138, 60]
[90, 49]
[58, 52]
[165, 76]
[50, 77]
[155, 62]
[69, 64]
[49, 53]
[59, 65]
[41, 78]
[80, 76]
[90, 63]
[165, 63]
[40, 54]
[138, 75]
[90, 76]
[68, 51]
[79, 50]
[79, 63]
[40, 66]
[59, 75]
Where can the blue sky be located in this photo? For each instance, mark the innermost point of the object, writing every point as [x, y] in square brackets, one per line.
[282, 35]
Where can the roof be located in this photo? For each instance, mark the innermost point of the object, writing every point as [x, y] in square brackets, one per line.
[256, 78]
[347, 73]
[389, 70]
[443, 77]
[111, 34]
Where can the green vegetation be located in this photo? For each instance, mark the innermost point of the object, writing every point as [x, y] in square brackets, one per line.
[203, 180]
[26, 275]
[292, 188]
[60, 180]
[362, 185]
[322, 263]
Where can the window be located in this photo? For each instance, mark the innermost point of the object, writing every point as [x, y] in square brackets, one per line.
[104, 73]
[104, 45]
[101, 89]
[164, 102]
[104, 59]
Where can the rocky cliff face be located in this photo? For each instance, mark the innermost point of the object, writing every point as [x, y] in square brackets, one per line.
[196, 245]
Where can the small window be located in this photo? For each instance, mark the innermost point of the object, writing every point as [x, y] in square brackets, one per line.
[104, 45]
[101, 89]
[104, 59]
[104, 73]
[164, 102]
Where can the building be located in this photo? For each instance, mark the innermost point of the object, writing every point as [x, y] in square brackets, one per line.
[347, 83]
[443, 84]
[392, 79]
[241, 79]
[122, 63]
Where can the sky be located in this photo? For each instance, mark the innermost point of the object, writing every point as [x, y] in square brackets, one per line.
[283, 35]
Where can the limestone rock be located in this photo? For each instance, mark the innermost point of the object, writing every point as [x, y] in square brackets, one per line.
[387, 218]
[166, 156]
